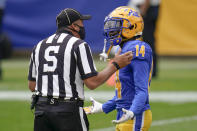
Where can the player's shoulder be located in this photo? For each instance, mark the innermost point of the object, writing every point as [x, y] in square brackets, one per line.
[132, 45]
[140, 49]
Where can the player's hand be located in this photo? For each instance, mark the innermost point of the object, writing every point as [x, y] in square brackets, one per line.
[128, 115]
[95, 108]
[124, 59]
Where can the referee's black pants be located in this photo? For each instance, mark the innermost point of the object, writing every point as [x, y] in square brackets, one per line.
[60, 116]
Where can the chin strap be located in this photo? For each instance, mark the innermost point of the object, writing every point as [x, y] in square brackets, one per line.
[109, 50]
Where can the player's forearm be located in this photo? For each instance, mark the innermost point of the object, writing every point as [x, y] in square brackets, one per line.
[109, 105]
[139, 102]
[94, 82]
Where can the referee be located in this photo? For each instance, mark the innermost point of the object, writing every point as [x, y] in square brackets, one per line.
[60, 65]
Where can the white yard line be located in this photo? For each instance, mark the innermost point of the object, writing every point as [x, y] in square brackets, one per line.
[154, 96]
[173, 120]
[159, 122]
[15, 95]
[106, 95]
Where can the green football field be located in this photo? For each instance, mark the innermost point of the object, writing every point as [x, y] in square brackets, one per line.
[174, 75]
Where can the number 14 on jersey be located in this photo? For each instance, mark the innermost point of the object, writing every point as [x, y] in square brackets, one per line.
[140, 50]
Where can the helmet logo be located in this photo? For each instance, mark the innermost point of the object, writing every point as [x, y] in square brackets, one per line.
[134, 13]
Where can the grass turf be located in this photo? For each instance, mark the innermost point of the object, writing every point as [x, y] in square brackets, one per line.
[174, 75]
[16, 116]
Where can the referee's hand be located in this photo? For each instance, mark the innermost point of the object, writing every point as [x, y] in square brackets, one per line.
[124, 59]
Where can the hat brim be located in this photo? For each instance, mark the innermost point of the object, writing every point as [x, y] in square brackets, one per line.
[86, 17]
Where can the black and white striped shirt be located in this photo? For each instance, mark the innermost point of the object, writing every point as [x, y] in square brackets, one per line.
[59, 64]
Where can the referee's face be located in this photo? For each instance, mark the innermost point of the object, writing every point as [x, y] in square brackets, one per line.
[77, 24]
[77, 28]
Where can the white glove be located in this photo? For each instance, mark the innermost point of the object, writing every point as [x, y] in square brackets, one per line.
[103, 56]
[95, 108]
[128, 115]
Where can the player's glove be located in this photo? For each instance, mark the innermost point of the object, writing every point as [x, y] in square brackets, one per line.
[95, 108]
[128, 115]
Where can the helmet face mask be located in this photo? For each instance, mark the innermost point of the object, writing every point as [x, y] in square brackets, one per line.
[112, 30]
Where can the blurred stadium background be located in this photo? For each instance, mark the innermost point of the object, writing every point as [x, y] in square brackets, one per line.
[173, 92]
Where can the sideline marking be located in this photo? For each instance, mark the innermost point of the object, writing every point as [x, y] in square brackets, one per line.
[163, 96]
[158, 122]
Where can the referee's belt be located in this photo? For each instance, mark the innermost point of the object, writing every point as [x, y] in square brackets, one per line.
[55, 101]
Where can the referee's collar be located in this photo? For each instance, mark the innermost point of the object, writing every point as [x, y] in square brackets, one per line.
[62, 30]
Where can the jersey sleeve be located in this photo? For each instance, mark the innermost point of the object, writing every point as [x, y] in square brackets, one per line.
[32, 67]
[141, 75]
[85, 61]
[109, 105]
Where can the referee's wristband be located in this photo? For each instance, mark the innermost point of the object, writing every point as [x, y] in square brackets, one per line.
[116, 65]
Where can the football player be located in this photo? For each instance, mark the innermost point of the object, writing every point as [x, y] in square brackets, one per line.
[123, 27]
